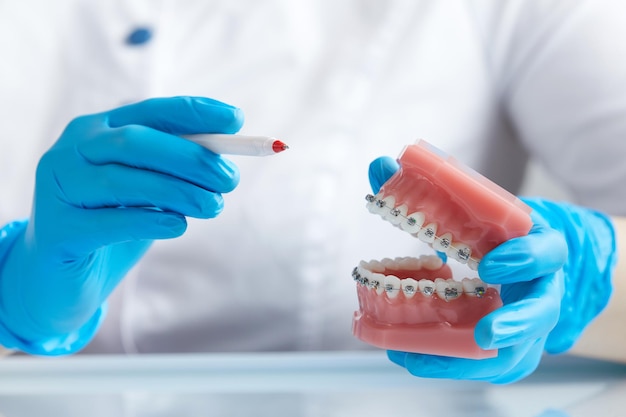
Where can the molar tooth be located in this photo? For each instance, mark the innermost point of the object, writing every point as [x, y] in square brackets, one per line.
[427, 233]
[409, 287]
[431, 262]
[448, 289]
[392, 286]
[460, 251]
[426, 286]
[377, 283]
[442, 243]
[413, 222]
[397, 215]
[474, 287]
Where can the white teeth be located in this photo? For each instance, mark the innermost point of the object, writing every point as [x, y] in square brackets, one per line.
[410, 263]
[377, 283]
[448, 289]
[376, 266]
[442, 243]
[474, 287]
[363, 276]
[427, 233]
[378, 205]
[413, 223]
[473, 264]
[403, 262]
[427, 287]
[388, 203]
[460, 251]
[396, 215]
[431, 262]
[372, 203]
[388, 262]
[392, 286]
[409, 287]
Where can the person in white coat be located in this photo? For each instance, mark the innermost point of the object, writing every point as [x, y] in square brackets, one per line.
[91, 92]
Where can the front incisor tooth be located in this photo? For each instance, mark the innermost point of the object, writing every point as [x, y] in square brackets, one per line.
[409, 287]
[396, 215]
[392, 286]
[427, 233]
[413, 222]
[426, 287]
[448, 289]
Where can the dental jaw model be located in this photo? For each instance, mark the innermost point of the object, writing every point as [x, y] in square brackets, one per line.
[414, 304]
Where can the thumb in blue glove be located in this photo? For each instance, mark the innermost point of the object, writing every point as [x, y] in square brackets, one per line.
[112, 183]
[548, 286]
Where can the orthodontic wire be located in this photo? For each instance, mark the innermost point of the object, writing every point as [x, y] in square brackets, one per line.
[449, 293]
[463, 254]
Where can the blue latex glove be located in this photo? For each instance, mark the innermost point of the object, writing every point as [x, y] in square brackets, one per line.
[554, 282]
[112, 183]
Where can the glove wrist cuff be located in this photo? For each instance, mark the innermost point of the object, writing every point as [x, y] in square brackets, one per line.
[57, 345]
[9, 233]
[589, 276]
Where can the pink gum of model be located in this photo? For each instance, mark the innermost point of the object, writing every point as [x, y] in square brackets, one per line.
[476, 212]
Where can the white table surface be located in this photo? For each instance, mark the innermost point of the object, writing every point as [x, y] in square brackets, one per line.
[330, 384]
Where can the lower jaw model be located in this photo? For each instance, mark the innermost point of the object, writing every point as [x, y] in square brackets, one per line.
[415, 304]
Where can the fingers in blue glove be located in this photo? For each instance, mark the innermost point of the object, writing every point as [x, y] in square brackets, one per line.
[156, 177]
[179, 115]
[138, 136]
[152, 150]
[115, 185]
[115, 225]
[541, 252]
[530, 311]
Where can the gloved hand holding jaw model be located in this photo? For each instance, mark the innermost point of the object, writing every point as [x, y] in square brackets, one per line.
[555, 276]
[111, 184]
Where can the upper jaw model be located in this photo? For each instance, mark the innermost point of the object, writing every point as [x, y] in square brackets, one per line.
[414, 304]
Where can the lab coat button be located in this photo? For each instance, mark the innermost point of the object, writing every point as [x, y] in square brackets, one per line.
[139, 36]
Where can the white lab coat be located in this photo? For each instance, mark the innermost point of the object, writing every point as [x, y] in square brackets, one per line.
[341, 82]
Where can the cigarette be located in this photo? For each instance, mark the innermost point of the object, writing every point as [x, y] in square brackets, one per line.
[239, 144]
